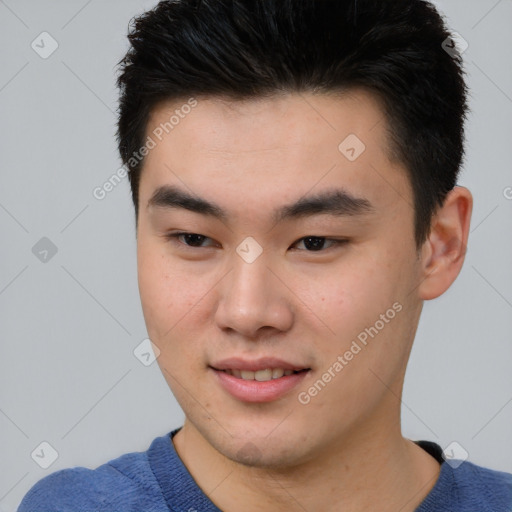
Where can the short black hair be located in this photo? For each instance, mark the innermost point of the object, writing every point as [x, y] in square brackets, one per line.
[249, 49]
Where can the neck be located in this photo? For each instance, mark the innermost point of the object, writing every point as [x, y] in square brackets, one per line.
[366, 470]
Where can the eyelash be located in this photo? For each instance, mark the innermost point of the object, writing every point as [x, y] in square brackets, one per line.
[173, 237]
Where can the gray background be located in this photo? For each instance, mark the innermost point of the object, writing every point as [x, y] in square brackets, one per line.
[68, 328]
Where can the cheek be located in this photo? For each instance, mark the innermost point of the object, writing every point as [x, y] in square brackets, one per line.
[351, 297]
[170, 295]
[346, 295]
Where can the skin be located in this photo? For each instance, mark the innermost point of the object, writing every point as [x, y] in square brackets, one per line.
[344, 450]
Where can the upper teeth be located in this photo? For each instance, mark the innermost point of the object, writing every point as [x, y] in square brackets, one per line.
[260, 375]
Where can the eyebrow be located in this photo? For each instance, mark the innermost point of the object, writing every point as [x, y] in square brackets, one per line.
[335, 202]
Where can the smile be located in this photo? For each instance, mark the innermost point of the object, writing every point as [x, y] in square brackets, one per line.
[258, 385]
[261, 375]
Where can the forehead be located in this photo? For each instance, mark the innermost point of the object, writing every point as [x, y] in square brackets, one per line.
[220, 124]
[273, 148]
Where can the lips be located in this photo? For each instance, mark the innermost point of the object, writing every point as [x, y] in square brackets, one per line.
[263, 363]
[260, 375]
[262, 380]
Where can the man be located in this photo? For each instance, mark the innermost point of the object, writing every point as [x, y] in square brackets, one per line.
[293, 166]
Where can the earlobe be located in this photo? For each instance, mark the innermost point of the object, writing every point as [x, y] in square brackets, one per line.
[443, 253]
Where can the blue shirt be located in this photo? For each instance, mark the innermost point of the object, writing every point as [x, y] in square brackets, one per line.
[157, 481]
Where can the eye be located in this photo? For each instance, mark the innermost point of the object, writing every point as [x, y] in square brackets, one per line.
[316, 243]
[191, 240]
[311, 243]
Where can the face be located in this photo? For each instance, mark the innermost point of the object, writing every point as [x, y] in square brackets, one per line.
[297, 265]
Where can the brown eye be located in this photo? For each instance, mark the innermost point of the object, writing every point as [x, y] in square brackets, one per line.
[317, 243]
[191, 240]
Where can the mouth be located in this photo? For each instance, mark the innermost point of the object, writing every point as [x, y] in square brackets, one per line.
[262, 375]
[265, 380]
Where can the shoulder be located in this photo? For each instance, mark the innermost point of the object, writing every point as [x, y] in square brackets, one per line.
[464, 485]
[493, 488]
[126, 483]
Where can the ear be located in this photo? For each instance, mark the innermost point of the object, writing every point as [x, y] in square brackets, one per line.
[442, 254]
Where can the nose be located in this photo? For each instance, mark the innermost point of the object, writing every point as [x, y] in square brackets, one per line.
[253, 298]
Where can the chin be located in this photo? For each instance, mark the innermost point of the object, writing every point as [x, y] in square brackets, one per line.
[277, 450]
[261, 455]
